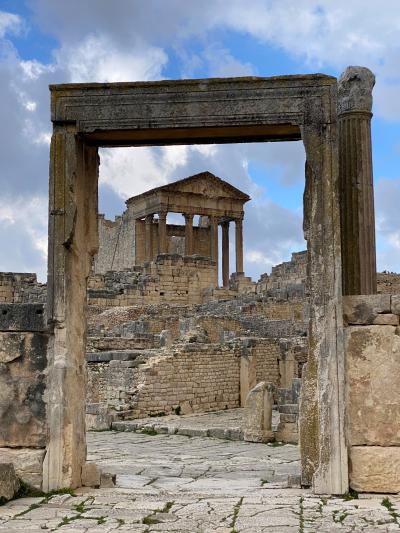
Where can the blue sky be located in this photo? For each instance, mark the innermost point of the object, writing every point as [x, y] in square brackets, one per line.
[50, 41]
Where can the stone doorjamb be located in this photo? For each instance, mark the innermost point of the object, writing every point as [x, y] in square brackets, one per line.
[86, 116]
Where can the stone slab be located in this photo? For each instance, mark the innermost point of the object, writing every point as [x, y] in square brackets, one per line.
[364, 309]
[375, 469]
[22, 389]
[396, 304]
[9, 482]
[372, 389]
[386, 319]
[22, 317]
[28, 463]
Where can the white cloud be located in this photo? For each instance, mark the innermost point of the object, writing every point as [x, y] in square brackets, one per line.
[98, 59]
[9, 23]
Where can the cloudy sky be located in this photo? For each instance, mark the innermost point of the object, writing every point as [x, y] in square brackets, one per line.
[53, 41]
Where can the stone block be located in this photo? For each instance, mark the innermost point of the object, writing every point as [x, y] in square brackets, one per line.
[396, 304]
[387, 319]
[107, 480]
[23, 358]
[375, 469]
[258, 413]
[91, 475]
[364, 309]
[22, 317]
[9, 482]
[28, 464]
[372, 385]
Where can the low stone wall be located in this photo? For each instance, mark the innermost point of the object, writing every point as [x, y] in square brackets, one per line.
[23, 366]
[21, 288]
[372, 344]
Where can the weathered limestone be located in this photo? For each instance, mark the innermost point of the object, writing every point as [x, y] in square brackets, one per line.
[162, 232]
[188, 234]
[73, 240]
[365, 309]
[356, 182]
[375, 469]
[91, 475]
[28, 463]
[258, 417]
[9, 482]
[373, 375]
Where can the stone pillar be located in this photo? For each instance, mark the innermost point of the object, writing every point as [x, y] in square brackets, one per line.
[225, 253]
[239, 245]
[162, 232]
[149, 237]
[214, 244]
[356, 181]
[188, 234]
[73, 240]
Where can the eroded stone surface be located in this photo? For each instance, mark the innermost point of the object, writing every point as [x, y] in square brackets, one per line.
[373, 377]
[364, 309]
[375, 468]
[28, 463]
[9, 482]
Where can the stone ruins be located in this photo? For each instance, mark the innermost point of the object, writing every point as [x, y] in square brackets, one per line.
[132, 322]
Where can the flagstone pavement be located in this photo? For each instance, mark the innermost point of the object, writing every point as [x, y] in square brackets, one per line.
[177, 483]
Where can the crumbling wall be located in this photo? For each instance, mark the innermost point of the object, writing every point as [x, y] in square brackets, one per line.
[116, 244]
[372, 343]
[23, 369]
[18, 287]
[388, 283]
[287, 280]
[171, 278]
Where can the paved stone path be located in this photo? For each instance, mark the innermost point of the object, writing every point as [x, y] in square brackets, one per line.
[197, 485]
[227, 424]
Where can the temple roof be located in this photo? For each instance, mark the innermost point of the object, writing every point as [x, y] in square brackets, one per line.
[204, 183]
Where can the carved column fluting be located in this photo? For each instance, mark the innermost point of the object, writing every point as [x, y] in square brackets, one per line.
[239, 245]
[188, 234]
[225, 253]
[356, 181]
[149, 237]
[162, 232]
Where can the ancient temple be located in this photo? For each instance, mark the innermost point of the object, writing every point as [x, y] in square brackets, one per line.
[142, 233]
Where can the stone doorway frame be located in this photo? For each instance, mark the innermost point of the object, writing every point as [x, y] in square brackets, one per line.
[88, 116]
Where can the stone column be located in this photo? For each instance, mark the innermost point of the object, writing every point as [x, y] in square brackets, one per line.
[73, 240]
[162, 232]
[356, 181]
[239, 245]
[225, 253]
[214, 244]
[149, 237]
[188, 234]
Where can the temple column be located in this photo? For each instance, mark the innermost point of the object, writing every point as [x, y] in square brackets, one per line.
[356, 181]
[225, 253]
[149, 237]
[162, 232]
[188, 234]
[214, 244]
[239, 245]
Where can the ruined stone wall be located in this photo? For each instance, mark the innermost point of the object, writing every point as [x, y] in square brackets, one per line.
[372, 344]
[116, 244]
[173, 279]
[194, 378]
[23, 369]
[287, 280]
[21, 288]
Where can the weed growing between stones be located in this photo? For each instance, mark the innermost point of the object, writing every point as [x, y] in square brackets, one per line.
[351, 495]
[27, 491]
[301, 515]
[152, 519]
[148, 431]
[390, 507]
[236, 510]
